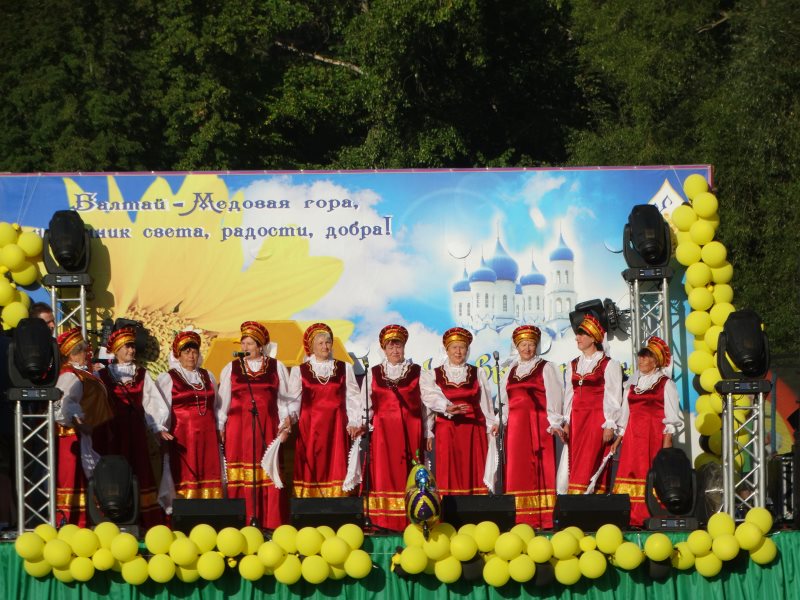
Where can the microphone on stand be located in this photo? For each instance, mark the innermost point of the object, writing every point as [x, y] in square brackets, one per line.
[496, 355]
[501, 451]
[239, 354]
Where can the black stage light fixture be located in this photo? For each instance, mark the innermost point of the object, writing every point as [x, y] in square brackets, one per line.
[604, 311]
[66, 241]
[646, 240]
[33, 357]
[113, 492]
[743, 345]
[675, 483]
[142, 334]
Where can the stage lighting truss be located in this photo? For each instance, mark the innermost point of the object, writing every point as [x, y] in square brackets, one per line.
[649, 308]
[744, 464]
[36, 464]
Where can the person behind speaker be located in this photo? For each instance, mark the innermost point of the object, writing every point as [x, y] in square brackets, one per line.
[651, 416]
[268, 380]
[330, 416]
[592, 407]
[82, 407]
[193, 465]
[140, 412]
[461, 418]
[531, 393]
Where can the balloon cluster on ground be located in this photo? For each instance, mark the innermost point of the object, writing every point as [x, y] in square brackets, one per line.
[312, 553]
[482, 553]
[20, 252]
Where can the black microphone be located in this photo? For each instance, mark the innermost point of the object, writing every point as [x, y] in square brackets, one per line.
[365, 362]
[239, 354]
[496, 355]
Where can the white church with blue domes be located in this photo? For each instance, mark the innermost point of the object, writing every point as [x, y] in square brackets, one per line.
[494, 296]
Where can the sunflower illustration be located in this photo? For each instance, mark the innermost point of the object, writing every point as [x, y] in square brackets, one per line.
[193, 279]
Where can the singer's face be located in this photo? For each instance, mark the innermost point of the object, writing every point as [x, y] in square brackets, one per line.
[395, 351]
[585, 342]
[457, 353]
[126, 354]
[188, 358]
[526, 349]
[647, 364]
[250, 347]
[321, 346]
[78, 357]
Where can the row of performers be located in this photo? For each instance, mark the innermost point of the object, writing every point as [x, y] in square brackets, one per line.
[448, 411]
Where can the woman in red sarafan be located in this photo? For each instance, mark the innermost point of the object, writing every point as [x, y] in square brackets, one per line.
[82, 407]
[267, 379]
[531, 393]
[193, 449]
[139, 411]
[459, 395]
[592, 407]
[651, 416]
[392, 396]
[330, 417]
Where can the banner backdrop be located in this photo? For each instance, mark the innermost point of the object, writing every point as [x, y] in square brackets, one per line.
[484, 249]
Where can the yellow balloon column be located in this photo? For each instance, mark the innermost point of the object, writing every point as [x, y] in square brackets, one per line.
[707, 284]
[20, 252]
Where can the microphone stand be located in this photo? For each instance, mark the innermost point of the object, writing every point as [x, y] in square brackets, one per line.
[254, 522]
[366, 448]
[500, 484]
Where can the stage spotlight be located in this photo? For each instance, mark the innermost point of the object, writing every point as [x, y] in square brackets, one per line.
[743, 350]
[113, 492]
[68, 244]
[33, 358]
[646, 238]
[604, 311]
[675, 483]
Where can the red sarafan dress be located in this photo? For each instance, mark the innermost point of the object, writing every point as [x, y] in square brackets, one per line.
[272, 508]
[643, 439]
[586, 446]
[530, 449]
[126, 435]
[461, 443]
[397, 439]
[92, 404]
[194, 459]
[322, 448]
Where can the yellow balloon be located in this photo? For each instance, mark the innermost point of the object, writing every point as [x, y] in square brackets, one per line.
[486, 534]
[468, 529]
[720, 313]
[564, 545]
[57, 553]
[352, 534]
[524, 531]
[286, 537]
[40, 568]
[8, 234]
[761, 518]
[699, 542]
[522, 568]
[12, 314]
[609, 537]
[725, 546]
[699, 361]
[30, 546]
[124, 547]
[46, 531]
[103, 560]
[658, 547]
[309, 541]
[701, 232]
[679, 237]
[326, 531]
[63, 575]
[694, 185]
[709, 378]
[231, 542]
[698, 274]
[337, 573]
[211, 565]
[135, 571]
[463, 547]
[508, 546]
[314, 569]
[205, 537]
[445, 528]
[575, 531]
[765, 553]
[448, 570]
[160, 568]
[720, 524]
[251, 568]
[703, 404]
[358, 564]
[187, 573]
[707, 423]
[711, 337]
[683, 217]
[592, 564]
[30, 243]
[682, 558]
[12, 256]
[335, 550]
[158, 539]
[414, 560]
[587, 543]
[628, 556]
[26, 274]
[85, 542]
[715, 443]
[568, 570]
[437, 546]
[106, 532]
[495, 572]
[253, 539]
[540, 549]
[271, 554]
[7, 292]
[67, 532]
[413, 536]
[708, 565]
[713, 219]
[700, 299]
[705, 458]
[722, 274]
[687, 253]
[722, 293]
[698, 322]
[714, 254]
[184, 552]
[705, 205]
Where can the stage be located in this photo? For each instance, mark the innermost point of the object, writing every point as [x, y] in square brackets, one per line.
[740, 578]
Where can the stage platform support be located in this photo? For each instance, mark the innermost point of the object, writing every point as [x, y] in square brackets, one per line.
[649, 299]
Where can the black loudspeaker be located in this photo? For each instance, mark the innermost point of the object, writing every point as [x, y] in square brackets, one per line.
[333, 512]
[217, 513]
[459, 510]
[592, 511]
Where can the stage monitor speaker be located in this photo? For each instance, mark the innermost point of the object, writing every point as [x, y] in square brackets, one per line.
[459, 510]
[592, 511]
[333, 512]
[186, 513]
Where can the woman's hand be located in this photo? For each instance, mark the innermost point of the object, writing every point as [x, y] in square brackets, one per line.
[222, 436]
[608, 435]
[456, 409]
[495, 430]
[354, 431]
[562, 435]
[166, 436]
[429, 445]
[667, 441]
